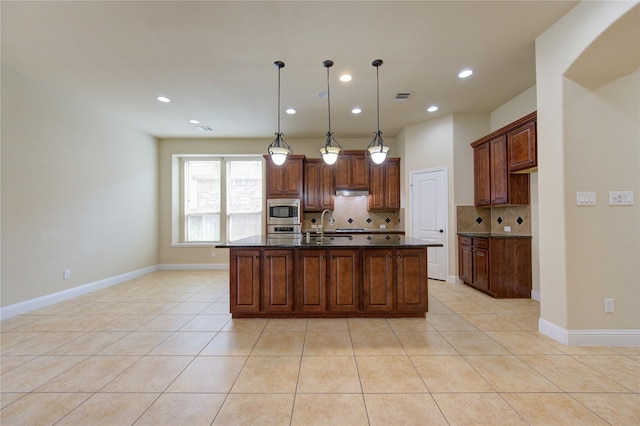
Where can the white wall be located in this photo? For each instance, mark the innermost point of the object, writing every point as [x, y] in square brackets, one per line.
[79, 192]
[588, 141]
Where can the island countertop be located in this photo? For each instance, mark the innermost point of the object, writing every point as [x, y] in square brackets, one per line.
[329, 241]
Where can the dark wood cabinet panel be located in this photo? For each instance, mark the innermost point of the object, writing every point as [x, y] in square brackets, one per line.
[379, 280]
[352, 171]
[311, 281]
[284, 181]
[499, 174]
[244, 276]
[412, 280]
[500, 267]
[522, 146]
[277, 280]
[345, 280]
[482, 175]
[319, 191]
[384, 183]
[495, 158]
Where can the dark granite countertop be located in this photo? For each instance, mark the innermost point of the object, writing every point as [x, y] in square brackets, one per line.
[492, 235]
[333, 241]
[354, 231]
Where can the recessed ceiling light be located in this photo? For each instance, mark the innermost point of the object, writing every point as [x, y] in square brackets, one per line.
[163, 99]
[356, 110]
[465, 73]
[345, 77]
[432, 108]
[194, 122]
[290, 111]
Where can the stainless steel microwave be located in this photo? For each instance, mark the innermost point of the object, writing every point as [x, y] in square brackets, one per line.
[283, 211]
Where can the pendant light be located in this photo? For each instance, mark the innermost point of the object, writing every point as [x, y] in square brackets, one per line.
[279, 150]
[377, 150]
[331, 148]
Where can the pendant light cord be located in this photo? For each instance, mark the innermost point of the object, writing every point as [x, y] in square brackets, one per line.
[279, 69]
[378, 95]
[328, 99]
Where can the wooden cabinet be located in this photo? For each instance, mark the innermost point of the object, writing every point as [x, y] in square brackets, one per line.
[344, 280]
[244, 278]
[379, 280]
[319, 191]
[352, 171]
[384, 183]
[277, 280]
[498, 266]
[328, 282]
[522, 147]
[284, 181]
[312, 281]
[495, 159]
[494, 185]
[411, 271]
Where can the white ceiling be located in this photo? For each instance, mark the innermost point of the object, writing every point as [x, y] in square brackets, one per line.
[215, 60]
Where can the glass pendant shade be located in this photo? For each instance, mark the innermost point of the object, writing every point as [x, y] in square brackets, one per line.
[279, 150]
[377, 150]
[331, 148]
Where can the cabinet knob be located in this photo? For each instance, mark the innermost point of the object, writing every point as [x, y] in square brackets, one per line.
[441, 231]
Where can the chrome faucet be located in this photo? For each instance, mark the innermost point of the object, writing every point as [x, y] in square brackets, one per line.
[331, 221]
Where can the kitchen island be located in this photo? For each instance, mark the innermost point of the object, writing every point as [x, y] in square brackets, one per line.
[330, 276]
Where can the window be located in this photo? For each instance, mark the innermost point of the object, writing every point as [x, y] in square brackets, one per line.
[222, 198]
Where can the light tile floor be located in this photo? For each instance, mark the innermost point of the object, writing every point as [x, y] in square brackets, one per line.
[162, 349]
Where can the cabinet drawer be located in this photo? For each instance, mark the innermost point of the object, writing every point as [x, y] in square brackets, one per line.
[466, 241]
[481, 243]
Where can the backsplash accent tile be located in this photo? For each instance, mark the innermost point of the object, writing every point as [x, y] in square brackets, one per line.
[473, 219]
[494, 219]
[352, 212]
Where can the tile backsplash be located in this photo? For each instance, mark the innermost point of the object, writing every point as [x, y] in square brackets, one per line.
[494, 219]
[352, 212]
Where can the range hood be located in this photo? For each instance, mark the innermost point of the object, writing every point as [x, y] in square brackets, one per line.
[352, 193]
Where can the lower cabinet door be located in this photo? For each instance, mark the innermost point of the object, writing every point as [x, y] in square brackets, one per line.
[412, 280]
[379, 279]
[481, 268]
[311, 283]
[277, 280]
[244, 276]
[344, 280]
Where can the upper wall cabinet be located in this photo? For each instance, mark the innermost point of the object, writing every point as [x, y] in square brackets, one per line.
[319, 191]
[384, 180]
[522, 147]
[284, 181]
[496, 158]
[352, 171]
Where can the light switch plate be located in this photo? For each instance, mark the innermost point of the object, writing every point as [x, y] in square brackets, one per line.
[620, 198]
[586, 198]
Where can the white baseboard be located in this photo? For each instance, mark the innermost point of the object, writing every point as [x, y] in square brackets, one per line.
[61, 296]
[454, 279]
[589, 337]
[535, 295]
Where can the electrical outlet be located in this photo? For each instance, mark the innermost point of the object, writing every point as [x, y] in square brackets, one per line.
[383, 226]
[507, 229]
[66, 275]
[314, 226]
[609, 306]
[213, 253]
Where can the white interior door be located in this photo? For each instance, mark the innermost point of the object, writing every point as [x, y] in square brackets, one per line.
[429, 212]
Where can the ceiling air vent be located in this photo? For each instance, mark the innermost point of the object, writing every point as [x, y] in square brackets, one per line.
[403, 96]
[204, 128]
